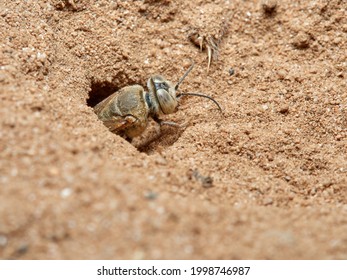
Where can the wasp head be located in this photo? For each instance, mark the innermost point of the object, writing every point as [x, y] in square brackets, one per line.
[164, 94]
[164, 91]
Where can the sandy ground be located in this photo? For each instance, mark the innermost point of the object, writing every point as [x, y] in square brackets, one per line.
[70, 189]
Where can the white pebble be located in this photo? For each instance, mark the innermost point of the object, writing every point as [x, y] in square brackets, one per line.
[66, 192]
[3, 240]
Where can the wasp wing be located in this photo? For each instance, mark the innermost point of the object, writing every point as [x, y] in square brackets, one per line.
[100, 106]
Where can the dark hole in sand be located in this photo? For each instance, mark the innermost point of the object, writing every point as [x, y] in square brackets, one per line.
[99, 91]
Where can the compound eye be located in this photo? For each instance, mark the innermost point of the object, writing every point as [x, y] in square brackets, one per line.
[167, 102]
[161, 85]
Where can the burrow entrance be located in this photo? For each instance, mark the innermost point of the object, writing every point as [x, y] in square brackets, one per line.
[99, 91]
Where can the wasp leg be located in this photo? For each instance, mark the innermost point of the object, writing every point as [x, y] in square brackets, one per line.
[173, 124]
[169, 123]
[117, 123]
[161, 122]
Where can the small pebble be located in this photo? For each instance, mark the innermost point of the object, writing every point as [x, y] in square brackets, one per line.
[160, 160]
[53, 171]
[301, 41]
[41, 56]
[66, 192]
[282, 74]
[265, 107]
[231, 71]
[267, 201]
[284, 109]
[287, 178]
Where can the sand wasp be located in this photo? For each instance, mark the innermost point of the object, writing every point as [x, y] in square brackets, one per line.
[127, 111]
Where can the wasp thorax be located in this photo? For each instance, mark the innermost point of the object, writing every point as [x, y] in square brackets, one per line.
[164, 94]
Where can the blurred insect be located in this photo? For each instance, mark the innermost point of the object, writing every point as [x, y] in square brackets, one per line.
[209, 39]
[127, 111]
[206, 42]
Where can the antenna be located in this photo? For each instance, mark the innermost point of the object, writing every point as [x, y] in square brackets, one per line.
[183, 77]
[201, 95]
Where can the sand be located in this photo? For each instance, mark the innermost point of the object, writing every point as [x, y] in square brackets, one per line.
[275, 161]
